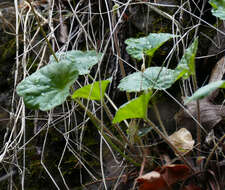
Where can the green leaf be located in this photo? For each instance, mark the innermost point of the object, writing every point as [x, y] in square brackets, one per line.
[153, 77]
[218, 8]
[205, 91]
[92, 91]
[83, 61]
[49, 86]
[186, 66]
[138, 47]
[136, 108]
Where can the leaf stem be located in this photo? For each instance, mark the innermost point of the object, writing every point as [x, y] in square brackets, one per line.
[109, 114]
[97, 123]
[156, 110]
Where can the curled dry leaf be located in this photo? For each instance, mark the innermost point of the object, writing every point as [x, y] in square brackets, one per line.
[152, 180]
[163, 178]
[210, 115]
[182, 140]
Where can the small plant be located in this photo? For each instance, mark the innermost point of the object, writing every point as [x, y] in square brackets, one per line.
[51, 86]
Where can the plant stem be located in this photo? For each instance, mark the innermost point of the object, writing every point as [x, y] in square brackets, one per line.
[97, 123]
[159, 118]
[109, 114]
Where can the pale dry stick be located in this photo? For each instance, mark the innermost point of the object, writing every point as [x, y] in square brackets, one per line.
[116, 41]
[20, 135]
[76, 144]
[115, 27]
[101, 158]
[79, 21]
[8, 145]
[23, 115]
[66, 45]
[38, 132]
[66, 136]
[42, 57]
[103, 24]
[77, 156]
[60, 162]
[87, 37]
[39, 42]
[119, 178]
[42, 31]
[36, 12]
[219, 31]
[17, 58]
[51, 4]
[42, 156]
[24, 150]
[91, 25]
[179, 30]
[100, 133]
[111, 25]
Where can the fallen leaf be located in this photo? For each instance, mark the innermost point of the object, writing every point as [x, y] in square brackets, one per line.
[182, 140]
[210, 114]
[152, 181]
[174, 173]
[162, 178]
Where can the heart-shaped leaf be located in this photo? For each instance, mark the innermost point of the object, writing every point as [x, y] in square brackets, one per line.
[218, 8]
[138, 47]
[186, 66]
[205, 90]
[49, 86]
[93, 91]
[136, 108]
[153, 77]
[83, 61]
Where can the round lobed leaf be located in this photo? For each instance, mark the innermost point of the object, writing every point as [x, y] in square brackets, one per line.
[49, 86]
[152, 78]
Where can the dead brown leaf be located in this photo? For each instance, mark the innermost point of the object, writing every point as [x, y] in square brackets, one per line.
[162, 178]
